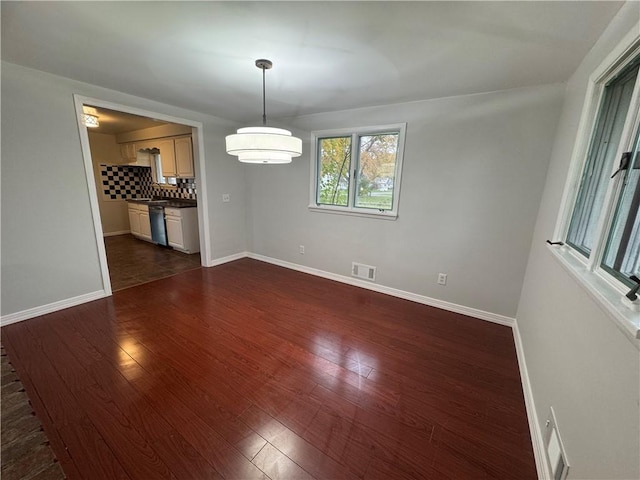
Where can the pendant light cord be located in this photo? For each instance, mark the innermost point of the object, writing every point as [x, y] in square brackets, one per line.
[264, 102]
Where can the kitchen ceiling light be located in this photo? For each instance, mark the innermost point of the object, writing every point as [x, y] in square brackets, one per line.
[90, 121]
[264, 144]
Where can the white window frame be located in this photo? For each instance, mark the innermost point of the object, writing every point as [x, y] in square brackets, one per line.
[156, 172]
[604, 288]
[355, 133]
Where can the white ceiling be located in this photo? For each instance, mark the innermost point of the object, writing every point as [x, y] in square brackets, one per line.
[327, 55]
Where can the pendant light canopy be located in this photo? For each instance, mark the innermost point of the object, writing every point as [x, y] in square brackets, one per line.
[264, 144]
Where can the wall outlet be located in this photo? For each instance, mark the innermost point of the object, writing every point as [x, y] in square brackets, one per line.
[442, 279]
[226, 197]
[301, 249]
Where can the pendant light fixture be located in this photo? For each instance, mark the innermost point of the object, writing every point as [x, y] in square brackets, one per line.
[264, 144]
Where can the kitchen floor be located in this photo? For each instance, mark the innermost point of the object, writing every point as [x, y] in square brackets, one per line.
[133, 262]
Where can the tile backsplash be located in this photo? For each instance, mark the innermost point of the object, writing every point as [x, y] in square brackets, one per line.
[121, 182]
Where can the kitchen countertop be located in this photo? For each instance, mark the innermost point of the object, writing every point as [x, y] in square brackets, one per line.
[166, 202]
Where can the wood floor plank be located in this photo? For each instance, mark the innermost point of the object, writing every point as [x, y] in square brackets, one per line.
[183, 459]
[278, 466]
[310, 458]
[248, 370]
[220, 454]
[78, 446]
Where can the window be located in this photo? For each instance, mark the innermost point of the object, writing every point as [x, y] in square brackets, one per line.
[357, 171]
[157, 172]
[622, 254]
[600, 215]
[604, 221]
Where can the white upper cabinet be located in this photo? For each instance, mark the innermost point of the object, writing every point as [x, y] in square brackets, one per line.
[184, 157]
[176, 155]
[167, 156]
[128, 152]
[131, 154]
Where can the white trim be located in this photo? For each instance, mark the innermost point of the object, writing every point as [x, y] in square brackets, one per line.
[93, 194]
[87, 297]
[595, 90]
[542, 462]
[115, 234]
[614, 189]
[613, 62]
[394, 292]
[199, 163]
[228, 258]
[355, 212]
[197, 138]
[52, 307]
[351, 208]
[606, 290]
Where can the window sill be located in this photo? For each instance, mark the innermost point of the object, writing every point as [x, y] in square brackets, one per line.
[610, 299]
[354, 213]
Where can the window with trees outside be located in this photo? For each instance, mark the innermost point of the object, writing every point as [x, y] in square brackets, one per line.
[358, 171]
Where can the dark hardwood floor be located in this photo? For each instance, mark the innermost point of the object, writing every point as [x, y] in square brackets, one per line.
[25, 454]
[248, 370]
[133, 262]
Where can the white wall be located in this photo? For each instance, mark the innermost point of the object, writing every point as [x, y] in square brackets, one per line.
[474, 169]
[578, 361]
[47, 230]
[114, 214]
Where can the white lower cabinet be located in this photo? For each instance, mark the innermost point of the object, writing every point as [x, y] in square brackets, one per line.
[174, 231]
[145, 224]
[182, 229]
[139, 221]
[134, 220]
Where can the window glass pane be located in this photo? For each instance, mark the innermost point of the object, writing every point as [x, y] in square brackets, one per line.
[622, 256]
[376, 171]
[157, 163]
[593, 187]
[333, 171]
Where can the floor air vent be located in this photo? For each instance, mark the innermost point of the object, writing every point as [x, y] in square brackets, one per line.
[366, 272]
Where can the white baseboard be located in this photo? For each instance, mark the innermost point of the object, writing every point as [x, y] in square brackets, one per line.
[51, 307]
[542, 463]
[227, 259]
[114, 234]
[414, 297]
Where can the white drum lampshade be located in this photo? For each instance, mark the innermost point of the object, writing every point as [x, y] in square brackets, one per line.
[264, 145]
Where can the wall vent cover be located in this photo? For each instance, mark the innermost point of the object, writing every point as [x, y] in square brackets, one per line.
[556, 453]
[366, 272]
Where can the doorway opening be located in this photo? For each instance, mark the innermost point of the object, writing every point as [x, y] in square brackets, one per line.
[145, 173]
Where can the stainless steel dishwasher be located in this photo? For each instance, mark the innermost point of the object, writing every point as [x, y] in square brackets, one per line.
[158, 227]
